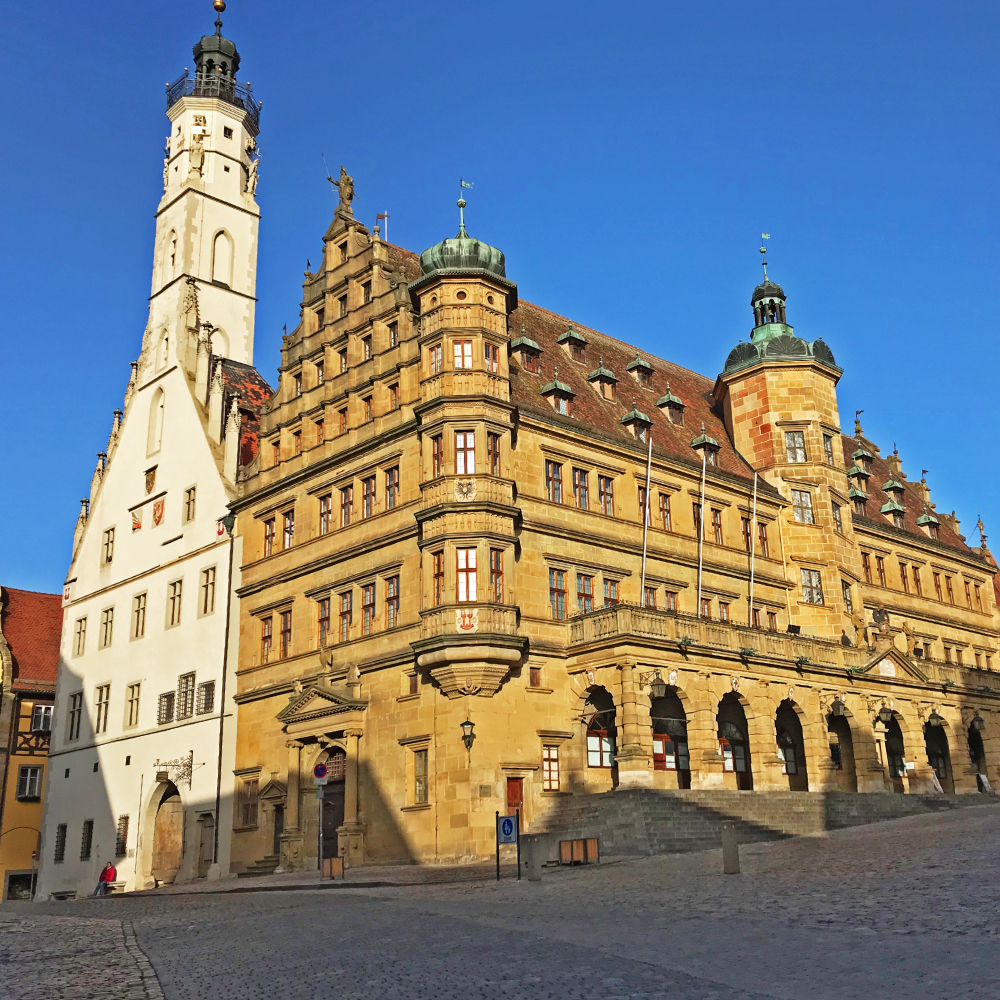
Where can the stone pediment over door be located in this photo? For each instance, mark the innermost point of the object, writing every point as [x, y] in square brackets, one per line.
[273, 791]
[893, 663]
[317, 711]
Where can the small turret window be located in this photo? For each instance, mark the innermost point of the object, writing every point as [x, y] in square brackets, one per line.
[795, 446]
[460, 295]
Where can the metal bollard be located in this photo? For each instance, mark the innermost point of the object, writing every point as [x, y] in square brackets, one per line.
[730, 850]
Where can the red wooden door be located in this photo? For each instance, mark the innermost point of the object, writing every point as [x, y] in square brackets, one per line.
[515, 796]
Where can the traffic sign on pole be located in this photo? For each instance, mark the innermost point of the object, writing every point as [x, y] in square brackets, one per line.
[319, 774]
[507, 830]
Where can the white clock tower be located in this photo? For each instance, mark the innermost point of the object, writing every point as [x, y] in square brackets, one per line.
[140, 769]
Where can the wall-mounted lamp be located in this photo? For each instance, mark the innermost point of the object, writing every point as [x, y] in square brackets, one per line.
[885, 714]
[978, 723]
[657, 685]
[838, 707]
[934, 719]
[468, 736]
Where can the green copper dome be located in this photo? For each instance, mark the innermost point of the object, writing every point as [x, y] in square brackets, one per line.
[463, 253]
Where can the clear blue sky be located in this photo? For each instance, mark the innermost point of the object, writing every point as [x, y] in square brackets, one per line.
[625, 156]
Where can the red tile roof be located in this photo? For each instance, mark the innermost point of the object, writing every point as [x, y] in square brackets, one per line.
[247, 384]
[32, 625]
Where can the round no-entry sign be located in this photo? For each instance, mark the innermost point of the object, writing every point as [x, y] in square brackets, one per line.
[319, 771]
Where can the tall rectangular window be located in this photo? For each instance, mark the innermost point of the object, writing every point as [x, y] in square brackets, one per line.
[393, 334]
[465, 560]
[828, 449]
[584, 593]
[557, 593]
[102, 702]
[285, 635]
[75, 716]
[174, 595]
[496, 576]
[670, 600]
[41, 718]
[838, 518]
[419, 777]
[550, 769]
[320, 369]
[606, 495]
[717, 526]
[434, 359]
[553, 481]
[465, 453]
[368, 609]
[138, 616]
[297, 384]
[918, 589]
[346, 615]
[189, 503]
[268, 536]
[394, 396]
[346, 503]
[649, 597]
[367, 496]
[802, 506]
[762, 549]
[325, 514]
[320, 435]
[795, 446]
[87, 840]
[493, 453]
[59, 855]
[904, 578]
[979, 598]
[208, 590]
[296, 442]
[107, 627]
[391, 601]
[968, 594]
[866, 566]
[746, 526]
[950, 589]
[492, 358]
[366, 291]
[880, 570]
[696, 518]
[132, 692]
[437, 570]
[665, 521]
[165, 708]
[845, 588]
[366, 348]
[937, 586]
[342, 420]
[266, 639]
[463, 353]
[185, 696]
[644, 511]
[366, 408]
[80, 636]
[108, 547]
[812, 586]
[437, 455]
[29, 782]
[772, 621]
[723, 611]
[121, 837]
[323, 620]
[581, 490]
[610, 593]
[248, 802]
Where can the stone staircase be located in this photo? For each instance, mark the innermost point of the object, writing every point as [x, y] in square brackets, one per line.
[265, 866]
[639, 822]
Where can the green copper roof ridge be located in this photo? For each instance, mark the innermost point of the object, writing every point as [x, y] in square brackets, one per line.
[636, 415]
[927, 518]
[892, 484]
[703, 439]
[524, 341]
[854, 494]
[601, 372]
[669, 398]
[890, 507]
[638, 363]
[571, 334]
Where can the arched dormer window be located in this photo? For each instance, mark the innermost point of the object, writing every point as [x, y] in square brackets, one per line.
[154, 437]
[222, 259]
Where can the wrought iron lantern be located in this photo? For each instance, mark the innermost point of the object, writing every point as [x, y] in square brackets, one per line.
[885, 715]
[468, 736]
[657, 686]
[837, 707]
[978, 723]
[934, 719]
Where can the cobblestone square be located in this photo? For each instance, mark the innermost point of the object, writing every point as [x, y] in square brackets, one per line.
[905, 909]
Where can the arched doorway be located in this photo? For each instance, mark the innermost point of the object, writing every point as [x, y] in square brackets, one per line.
[791, 748]
[734, 741]
[333, 801]
[842, 752]
[670, 742]
[168, 836]
[938, 757]
[977, 755]
[894, 753]
[602, 733]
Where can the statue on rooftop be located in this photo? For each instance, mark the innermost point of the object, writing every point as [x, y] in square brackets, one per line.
[346, 188]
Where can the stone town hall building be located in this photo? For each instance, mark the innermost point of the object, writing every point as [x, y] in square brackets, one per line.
[443, 528]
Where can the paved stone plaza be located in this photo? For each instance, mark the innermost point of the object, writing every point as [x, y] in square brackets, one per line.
[904, 909]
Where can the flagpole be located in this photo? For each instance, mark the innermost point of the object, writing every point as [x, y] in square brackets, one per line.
[753, 546]
[701, 526]
[645, 517]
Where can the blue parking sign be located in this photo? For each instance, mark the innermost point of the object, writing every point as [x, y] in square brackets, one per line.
[507, 830]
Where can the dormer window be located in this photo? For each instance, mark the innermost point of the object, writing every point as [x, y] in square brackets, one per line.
[641, 372]
[529, 362]
[637, 422]
[929, 523]
[706, 446]
[574, 342]
[559, 395]
[673, 406]
[527, 350]
[604, 381]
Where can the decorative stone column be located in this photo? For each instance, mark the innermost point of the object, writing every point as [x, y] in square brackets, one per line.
[351, 836]
[963, 771]
[764, 760]
[291, 837]
[635, 766]
[820, 769]
[707, 764]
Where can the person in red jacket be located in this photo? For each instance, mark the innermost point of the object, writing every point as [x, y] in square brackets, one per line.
[108, 875]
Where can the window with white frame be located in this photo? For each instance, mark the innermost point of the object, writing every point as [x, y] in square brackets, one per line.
[29, 782]
[550, 769]
[812, 586]
[802, 507]
[795, 446]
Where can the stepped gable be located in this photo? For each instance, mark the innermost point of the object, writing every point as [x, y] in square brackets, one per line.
[603, 415]
[246, 383]
[32, 625]
[911, 498]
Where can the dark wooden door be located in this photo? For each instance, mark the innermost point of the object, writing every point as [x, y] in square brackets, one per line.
[515, 797]
[279, 829]
[333, 817]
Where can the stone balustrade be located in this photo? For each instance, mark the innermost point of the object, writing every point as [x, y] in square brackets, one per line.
[468, 619]
[467, 489]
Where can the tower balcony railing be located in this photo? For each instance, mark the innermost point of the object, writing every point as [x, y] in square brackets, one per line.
[238, 94]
